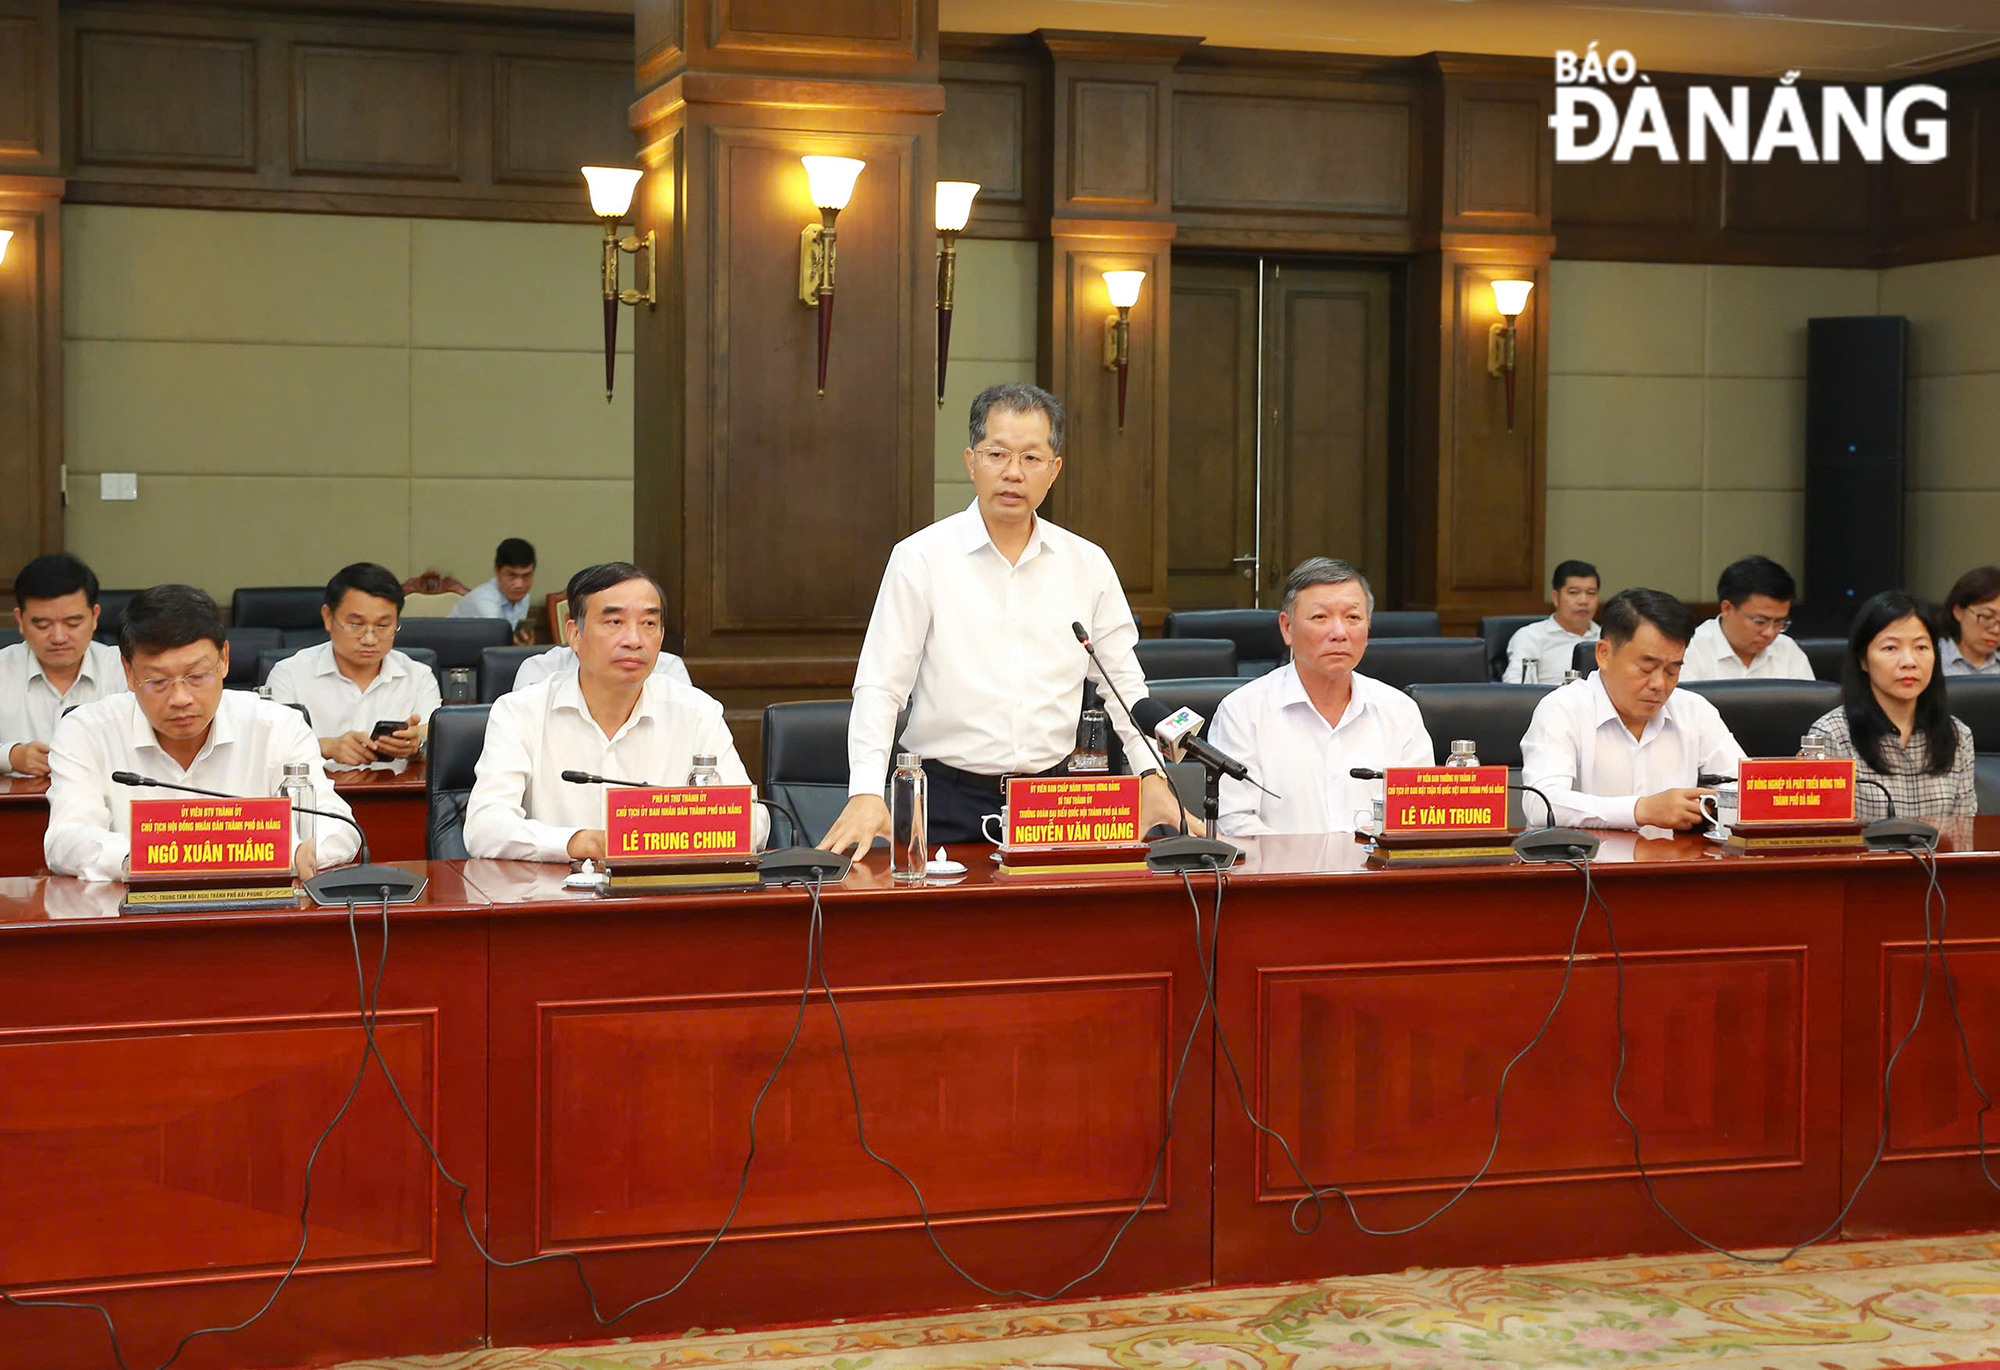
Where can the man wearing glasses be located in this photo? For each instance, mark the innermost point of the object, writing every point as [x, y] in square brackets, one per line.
[178, 725]
[972, 627]
[1747, 640]
[356, 679]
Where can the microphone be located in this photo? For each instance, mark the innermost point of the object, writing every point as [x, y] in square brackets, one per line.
[1184, 725]
[341, 885]
[1185, 852]
[775, 866]
[1893, 833]
[1548, 843]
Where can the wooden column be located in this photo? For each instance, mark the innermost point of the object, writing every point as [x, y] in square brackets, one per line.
[30, 287]
[1472, 515]
[768, 510]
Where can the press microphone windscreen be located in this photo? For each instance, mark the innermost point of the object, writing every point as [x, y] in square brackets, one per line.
[1149, 713]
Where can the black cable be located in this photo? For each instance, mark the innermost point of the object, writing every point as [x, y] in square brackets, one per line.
[1888, 1082]
[1929, 859]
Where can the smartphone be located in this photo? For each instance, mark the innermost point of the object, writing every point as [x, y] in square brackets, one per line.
[388, 726]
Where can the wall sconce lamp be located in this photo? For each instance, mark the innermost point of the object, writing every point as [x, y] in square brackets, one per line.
[1510, 298]
[831, 180]
[954, 207]
[6, 237]
[1124, 288]
[611, 190]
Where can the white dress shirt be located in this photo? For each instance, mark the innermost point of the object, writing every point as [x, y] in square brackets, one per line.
[984, 652]
[1550, 646]
[1710, 657]
[556, 660]
[1271, 726]
[484, 600]
[523, 810]
[1582, 756]
[312, 677]
[30, 706]
[249, 742]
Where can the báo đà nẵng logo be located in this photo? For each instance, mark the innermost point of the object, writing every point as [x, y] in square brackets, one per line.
[1736, 123]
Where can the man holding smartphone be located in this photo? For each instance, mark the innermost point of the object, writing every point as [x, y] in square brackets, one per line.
[370, 704]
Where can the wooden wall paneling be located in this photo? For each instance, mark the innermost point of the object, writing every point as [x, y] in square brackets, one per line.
[31, 372]
[1111, 96]
[30, 88]
[578, 109]
[1212, 435]
[880, 39]
[1500, 151]
[1495, 486]
[370, 111]
[199, 109]
[995, 131]
[1949, 208]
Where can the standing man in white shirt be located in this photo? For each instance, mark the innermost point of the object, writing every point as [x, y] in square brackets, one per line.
[612, 716]
[56, 665]
[356, 679]
[1746, 640]
[1623, 748]
[506, 595]
[972, 627]
[1540, 653]
[179, 725]
[1303, 727]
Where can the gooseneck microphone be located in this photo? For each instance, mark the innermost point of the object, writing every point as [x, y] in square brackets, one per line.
[775, 866]
[342, 884]
[1185, 852]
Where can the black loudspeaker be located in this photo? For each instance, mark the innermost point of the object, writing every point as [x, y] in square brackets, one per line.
[1857, 407]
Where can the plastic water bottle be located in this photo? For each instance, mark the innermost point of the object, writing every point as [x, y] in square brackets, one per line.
[909, 814]
[1093, 744]
[1464, 755]
[703, 774]
[297, 786]
[1531, 671]
[1571, 676]
[1812, 747]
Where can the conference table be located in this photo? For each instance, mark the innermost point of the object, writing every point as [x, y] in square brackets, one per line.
[1026, 1050]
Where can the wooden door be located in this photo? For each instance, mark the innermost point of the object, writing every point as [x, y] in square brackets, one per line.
[1212, 443]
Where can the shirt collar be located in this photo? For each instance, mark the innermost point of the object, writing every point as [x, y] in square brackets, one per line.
[567, 693]
[221, 732]
[1604, 711]
[1292, 693]
[973, 535]
[36, 671]
[329, 664]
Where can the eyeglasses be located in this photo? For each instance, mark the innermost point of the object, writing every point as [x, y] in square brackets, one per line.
[357, 629]
[1765, 625]
[999, 459]
[196, 681]
[1986, 618]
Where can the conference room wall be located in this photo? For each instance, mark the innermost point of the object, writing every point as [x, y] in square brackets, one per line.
[297, 391]
[998, 285]
[1677, 414]
[1953, 477]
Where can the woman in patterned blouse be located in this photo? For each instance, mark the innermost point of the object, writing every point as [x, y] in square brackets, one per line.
[1895, 722]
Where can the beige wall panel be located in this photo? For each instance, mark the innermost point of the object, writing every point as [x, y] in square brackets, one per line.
[951, 496]
[1949, 534]
[205, 275]
[220, 532]
[236, 408]
[525, 287]
[963, 382]
[994, 300]
[535, 414]
[1951, 307]
[1757, 314]
[1650, 538]
[1624, 318]
[1741, 523]
[1624, 432]
[455, 525]
[1952, 437]
[1755, 435]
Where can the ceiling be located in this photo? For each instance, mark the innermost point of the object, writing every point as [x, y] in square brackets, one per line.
[1833, 39]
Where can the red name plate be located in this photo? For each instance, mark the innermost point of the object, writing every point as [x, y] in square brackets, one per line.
[203, 836]
[1070, 811]
[651, 825]
[1795, 791]
[1444, 799]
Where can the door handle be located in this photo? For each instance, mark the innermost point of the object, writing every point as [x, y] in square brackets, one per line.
[1249, 565]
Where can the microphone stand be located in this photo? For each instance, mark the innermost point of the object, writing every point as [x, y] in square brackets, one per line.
[328, 889]
[777, 866]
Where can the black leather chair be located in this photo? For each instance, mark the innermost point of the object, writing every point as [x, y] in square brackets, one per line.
[1178, 658]
[246, 649]
[1986, 782]
[1404, 623]
[8, 637]
[1495, 717]
[111, 613]
[1496, 631]
[296, 638]
[1768, 717]
[277, 606]
[271, 656]
[1975, 702]
[805, 763]
[1583, 658]
[1828, 656]
[1407, 661]
[1260, 647]
[454, 642]
[498, 666]
[458, 733]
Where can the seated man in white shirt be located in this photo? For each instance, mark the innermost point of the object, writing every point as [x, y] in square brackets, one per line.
[557, 660]
[56, 665]
[356, 679]
[972, 626]
[179, 725]
[612, 716]
[1541, 653]
[506, 595]
[1746, 640]
[1303, 727]
[1622, 748]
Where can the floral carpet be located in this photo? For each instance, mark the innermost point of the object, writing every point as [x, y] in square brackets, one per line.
[1860, 1306]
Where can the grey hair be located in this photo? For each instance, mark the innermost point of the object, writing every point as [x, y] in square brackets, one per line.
[1324, 571]
[1016, 397]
